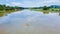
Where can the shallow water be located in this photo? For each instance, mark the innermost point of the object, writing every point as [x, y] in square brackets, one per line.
[30, 22]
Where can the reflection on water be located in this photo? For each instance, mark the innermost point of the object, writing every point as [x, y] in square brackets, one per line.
[5, 12]
[30, 22]
[45, 12]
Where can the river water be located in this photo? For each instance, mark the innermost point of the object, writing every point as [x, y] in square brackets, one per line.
[30, 22]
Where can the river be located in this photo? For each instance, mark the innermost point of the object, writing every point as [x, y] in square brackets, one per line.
[30, 22]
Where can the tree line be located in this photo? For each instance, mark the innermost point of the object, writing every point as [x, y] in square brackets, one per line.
[4, 7]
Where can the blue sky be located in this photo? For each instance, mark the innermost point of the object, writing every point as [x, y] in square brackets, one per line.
[30, 3]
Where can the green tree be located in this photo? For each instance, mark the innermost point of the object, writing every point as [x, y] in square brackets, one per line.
[45, 8]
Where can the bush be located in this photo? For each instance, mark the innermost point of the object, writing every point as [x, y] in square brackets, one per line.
[45, 8]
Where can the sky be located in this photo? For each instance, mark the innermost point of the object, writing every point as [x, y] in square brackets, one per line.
[30, 3]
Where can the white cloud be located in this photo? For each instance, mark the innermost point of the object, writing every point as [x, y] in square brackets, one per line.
[36, 3]
[7, 0]
[7, 4]
[17, 3]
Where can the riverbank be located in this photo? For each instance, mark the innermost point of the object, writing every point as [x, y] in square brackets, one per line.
[51, 9]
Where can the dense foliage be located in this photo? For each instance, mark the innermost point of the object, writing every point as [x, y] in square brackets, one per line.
[45, 8]
[4, 7]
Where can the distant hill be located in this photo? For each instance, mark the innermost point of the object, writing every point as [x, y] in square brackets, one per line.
[54, 6]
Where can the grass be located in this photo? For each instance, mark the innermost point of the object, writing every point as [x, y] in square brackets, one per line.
[50, 10]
